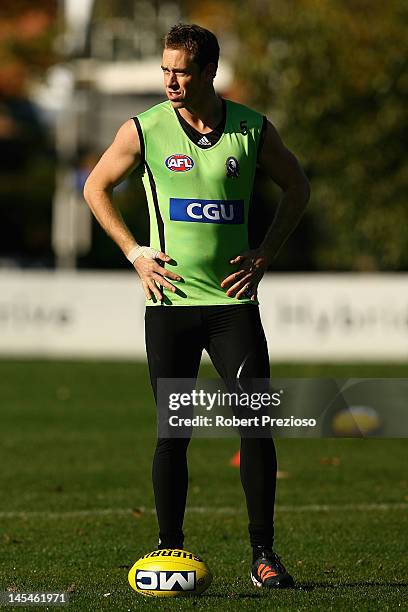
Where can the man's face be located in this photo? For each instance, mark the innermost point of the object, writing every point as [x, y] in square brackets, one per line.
[184, 82]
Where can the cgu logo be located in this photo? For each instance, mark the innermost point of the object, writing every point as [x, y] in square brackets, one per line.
[207, 211]
[165, 581]
[213, 212]
[179, 163]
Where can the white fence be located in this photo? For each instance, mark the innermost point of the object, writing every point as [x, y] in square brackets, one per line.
[307, 317]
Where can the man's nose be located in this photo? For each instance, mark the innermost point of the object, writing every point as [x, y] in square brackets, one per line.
[172, 80]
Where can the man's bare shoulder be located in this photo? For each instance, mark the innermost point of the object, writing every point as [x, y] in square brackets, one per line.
[127, 138]
[118, 161]
[278, 161]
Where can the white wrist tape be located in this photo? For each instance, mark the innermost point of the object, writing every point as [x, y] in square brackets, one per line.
[142, 251]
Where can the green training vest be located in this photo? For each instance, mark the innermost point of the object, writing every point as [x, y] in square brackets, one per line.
[199, 199]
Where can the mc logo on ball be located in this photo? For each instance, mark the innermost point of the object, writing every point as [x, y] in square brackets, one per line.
[165, 581]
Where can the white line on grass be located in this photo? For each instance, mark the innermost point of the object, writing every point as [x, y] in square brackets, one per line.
[204, 510]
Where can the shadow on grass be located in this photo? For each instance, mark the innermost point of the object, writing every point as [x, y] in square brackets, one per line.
[310, 586]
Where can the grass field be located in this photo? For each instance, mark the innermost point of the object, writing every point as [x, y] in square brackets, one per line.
[77, 506]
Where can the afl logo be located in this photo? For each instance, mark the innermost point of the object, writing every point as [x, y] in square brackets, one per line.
[179, 163]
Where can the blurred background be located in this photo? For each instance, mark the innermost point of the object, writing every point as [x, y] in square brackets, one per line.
[332, 76]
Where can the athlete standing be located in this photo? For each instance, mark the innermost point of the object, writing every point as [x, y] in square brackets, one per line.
[199, 153]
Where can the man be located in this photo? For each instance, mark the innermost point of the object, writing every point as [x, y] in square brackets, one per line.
[199, 154]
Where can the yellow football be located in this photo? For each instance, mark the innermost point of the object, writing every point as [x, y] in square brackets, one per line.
[169, 573]
[356, 421]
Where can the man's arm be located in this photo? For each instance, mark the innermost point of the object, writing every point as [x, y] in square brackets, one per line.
[118, 161]
[284, 169]
[115, 165]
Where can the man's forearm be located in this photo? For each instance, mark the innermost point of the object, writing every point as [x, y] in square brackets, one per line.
[101, 204]
[288, 214]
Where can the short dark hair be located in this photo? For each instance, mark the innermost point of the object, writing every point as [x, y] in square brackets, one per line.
[199, 42]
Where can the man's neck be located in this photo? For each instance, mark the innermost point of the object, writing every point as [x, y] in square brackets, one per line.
[205, 117]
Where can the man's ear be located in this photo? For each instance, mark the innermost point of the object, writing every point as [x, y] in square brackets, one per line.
[210, 71]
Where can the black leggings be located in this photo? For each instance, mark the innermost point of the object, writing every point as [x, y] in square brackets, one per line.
[235, 341]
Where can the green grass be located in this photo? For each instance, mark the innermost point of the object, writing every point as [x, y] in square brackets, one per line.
[77, 440]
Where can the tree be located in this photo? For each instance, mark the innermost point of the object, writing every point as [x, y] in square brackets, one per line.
[332, 75]
[26, 158]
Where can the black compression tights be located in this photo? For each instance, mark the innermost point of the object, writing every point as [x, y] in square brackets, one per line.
[234, 338]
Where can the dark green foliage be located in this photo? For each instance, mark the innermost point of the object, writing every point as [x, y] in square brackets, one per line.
[333, 77]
